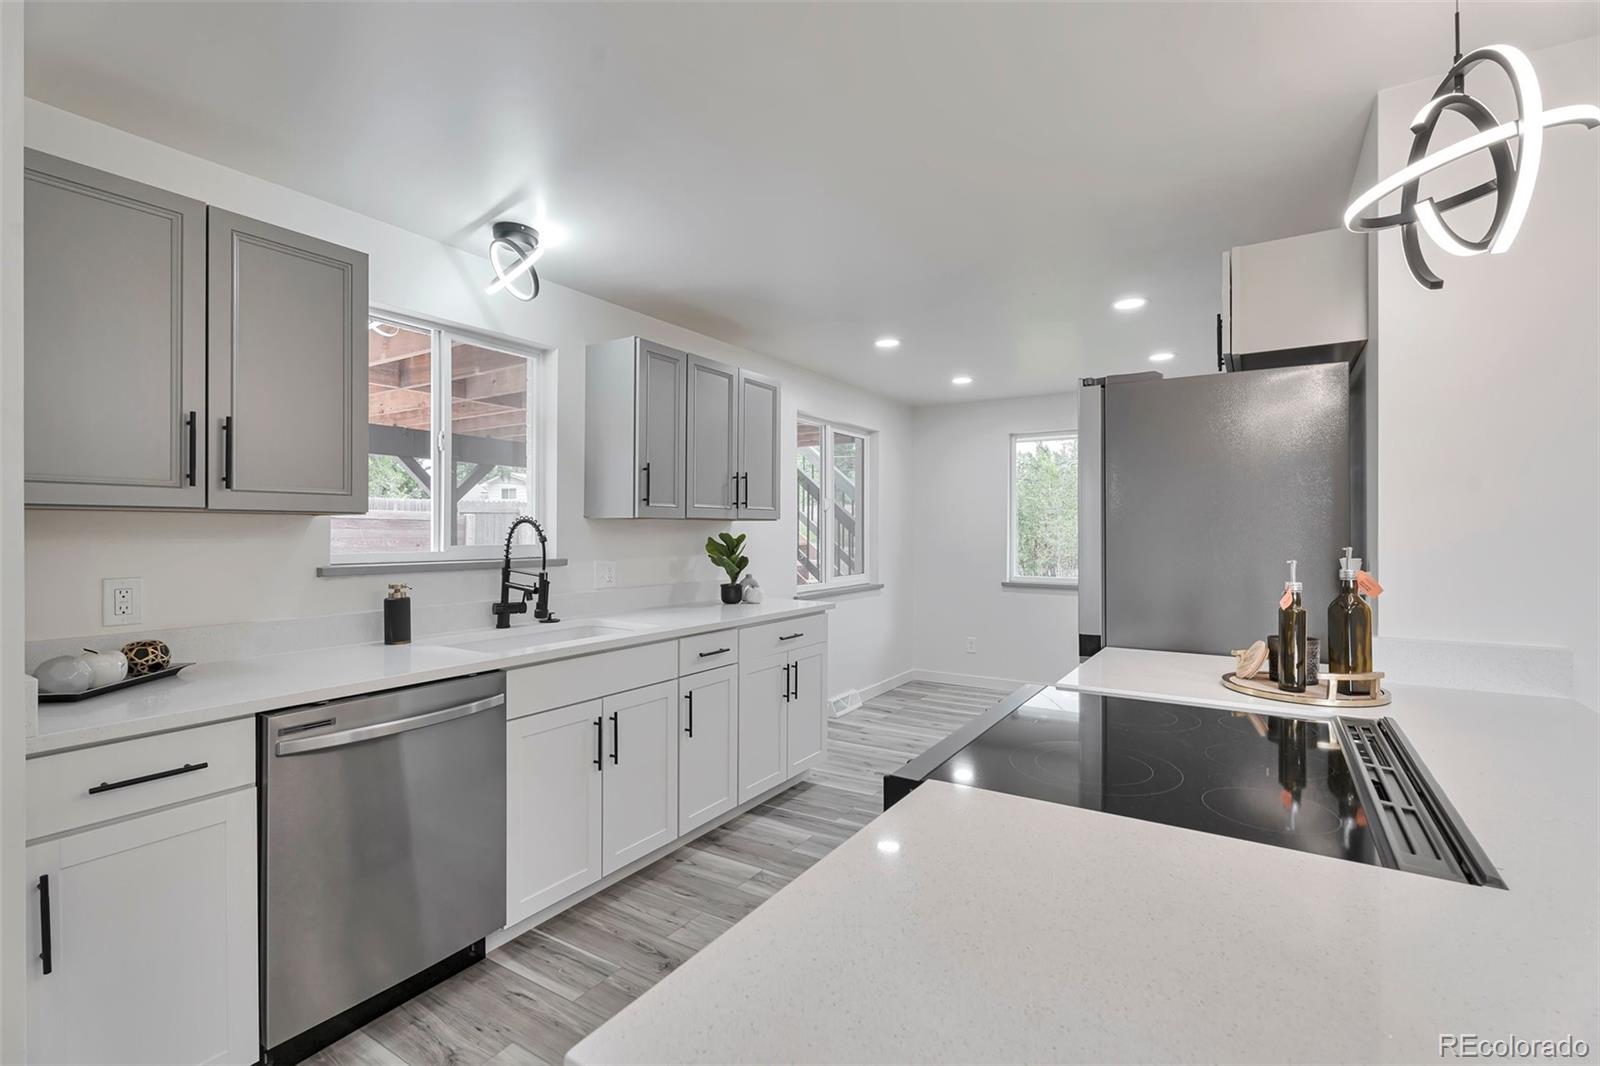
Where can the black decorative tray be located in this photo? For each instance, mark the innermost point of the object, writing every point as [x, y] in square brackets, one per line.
[88, 694]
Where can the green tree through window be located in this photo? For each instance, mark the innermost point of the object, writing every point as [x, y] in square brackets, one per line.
[1044, 507]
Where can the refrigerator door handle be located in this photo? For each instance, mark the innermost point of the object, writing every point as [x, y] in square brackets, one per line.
[1091, 516]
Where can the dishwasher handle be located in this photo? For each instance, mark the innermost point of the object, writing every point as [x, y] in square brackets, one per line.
[384, 729]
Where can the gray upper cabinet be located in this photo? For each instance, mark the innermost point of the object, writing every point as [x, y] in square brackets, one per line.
[114, 340]
[713, 453]
[636, 410]
[760, 413]
[287, 381]
[672, 435]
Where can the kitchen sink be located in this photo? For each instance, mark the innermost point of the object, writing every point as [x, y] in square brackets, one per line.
[539, 636]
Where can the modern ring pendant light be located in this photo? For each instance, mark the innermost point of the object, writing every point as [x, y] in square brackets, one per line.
[513, 250]
[1513, 180]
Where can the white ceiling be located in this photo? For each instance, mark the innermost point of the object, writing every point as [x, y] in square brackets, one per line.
[979, 180]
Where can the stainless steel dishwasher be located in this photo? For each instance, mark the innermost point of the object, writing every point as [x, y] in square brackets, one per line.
[383, 862]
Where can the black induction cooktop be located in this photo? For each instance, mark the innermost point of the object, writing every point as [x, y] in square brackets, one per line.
[1351, 789]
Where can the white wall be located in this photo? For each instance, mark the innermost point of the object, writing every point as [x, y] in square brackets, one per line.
[1489, 391]
[12, 718]
[208, 569]
[959, 509]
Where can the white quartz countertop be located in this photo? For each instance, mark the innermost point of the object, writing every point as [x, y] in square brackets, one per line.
[217, 691]
[972, 926]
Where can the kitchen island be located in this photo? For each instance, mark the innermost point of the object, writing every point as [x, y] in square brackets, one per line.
[966, 925]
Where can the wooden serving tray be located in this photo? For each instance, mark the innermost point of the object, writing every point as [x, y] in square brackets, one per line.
[132, 679]
[1322, 694]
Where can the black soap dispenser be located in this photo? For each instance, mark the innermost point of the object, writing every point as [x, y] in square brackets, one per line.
[397, 615]
[1292, 668]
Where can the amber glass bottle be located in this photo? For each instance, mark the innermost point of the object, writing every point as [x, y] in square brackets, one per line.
[1291, 636]
[1350, 630]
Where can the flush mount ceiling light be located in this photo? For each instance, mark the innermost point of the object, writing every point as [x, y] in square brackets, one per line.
[1163, 357]
[1129, 303]
[961, 379]
[1513, 179]
[513, 250]
[886, 343]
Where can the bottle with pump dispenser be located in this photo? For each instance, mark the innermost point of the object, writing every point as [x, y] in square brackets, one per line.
[1350, 629]
[1292, 668]
[397, 615]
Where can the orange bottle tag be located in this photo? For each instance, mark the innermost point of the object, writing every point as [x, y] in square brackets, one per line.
[1367, 585]
[1288, 598]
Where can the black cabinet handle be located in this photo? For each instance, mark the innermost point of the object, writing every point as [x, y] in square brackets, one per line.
[190, 422]
[110, 786]
[227, 451]
[690, 697]
[736, 490]
[746, 479]
[616, 735]
[44, 923]
[719, 651]
[786, 668]
[646, 500]
[791, 636]
[794, 679]
[599, 744]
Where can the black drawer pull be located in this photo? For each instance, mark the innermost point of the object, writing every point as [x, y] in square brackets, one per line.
[791, 636]
[616, 737]
[45, 954]
[646, 499]
[719, 651]
[227, 451]
[786, 668]
[690, 697]
[186, 768]
[599, 744]
[193, 445]
[794, 680]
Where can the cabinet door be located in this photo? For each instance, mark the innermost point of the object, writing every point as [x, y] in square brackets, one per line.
[553, 804]
[806, 714]
[713, 439]
[760, 413]
[287, 370]
[152, 939]
[114, 340]
[641, 773]
[763, 691]
[659, 433]
[708, 746]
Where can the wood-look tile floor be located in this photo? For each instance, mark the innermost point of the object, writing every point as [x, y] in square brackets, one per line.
[535, 997]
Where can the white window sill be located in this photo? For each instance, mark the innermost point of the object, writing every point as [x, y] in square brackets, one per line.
[427, 566]
[1024, 583]
[828, 592]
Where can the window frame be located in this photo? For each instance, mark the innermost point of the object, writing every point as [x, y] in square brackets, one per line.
[539, 435]
[866, 498]
[1012, 577]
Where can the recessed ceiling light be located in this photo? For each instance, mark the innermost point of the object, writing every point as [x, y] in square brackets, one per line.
[1162, 357]
[886, 343]
[1129, 303]
[961, 379]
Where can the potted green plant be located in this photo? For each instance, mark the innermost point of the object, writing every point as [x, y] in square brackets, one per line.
[723, 549]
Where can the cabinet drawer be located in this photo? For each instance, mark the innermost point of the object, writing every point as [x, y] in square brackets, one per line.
[79, 788]
[758, 641]
[549, 685]
[708, 651]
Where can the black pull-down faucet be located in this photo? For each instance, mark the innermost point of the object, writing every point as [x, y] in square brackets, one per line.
[506, 608]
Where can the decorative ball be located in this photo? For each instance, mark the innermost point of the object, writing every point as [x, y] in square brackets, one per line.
[147, 656]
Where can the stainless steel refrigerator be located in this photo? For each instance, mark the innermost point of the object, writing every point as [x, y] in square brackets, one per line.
[1192, 493]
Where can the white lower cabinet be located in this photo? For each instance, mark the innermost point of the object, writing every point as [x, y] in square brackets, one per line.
[639, 811]
[553, 804]
[142, 938]
[763, 690]
[708, 747]
[805, 712]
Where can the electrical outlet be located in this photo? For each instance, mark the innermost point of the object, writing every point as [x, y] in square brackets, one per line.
[605, 575]
[972, 645]
[121, 601]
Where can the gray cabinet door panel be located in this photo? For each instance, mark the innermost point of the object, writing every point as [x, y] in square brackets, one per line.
[662, 409]
[713, 439]
[288, 370]
[114, 339]
[760, 414]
